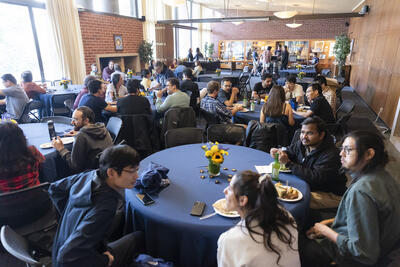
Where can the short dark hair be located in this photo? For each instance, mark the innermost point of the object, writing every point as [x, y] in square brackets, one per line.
[117, 67]
[321, 80]
[226, 79]
[188, 73]
[316, 86]
[115, 77]
[88, 79]
[174, 81]
[94, 86]
[269, 47]
[9, 77]
[291, 79]
[212, 86]
[27, 76]
[266, 76]
[158, 64]
[321, 127]
[86, 113]
[365, 140]
[117, 157]
[145, 72]
[133, 86]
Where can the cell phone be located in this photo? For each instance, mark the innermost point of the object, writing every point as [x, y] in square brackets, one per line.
[198, 208]
[145, 199]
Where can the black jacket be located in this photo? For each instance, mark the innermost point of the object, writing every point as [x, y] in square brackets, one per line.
[320, 168]
[264, 136]
[87, 206]
[193, 89]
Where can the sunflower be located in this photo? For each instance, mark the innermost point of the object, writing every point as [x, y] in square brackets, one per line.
[214, 149]
[217, 158]
[208, 154]
[223, 152]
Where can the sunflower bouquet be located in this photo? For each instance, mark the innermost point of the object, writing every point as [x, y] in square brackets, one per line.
[129, 73]
[64, 83]
[301, 75]
[215, 155]
[218, 72]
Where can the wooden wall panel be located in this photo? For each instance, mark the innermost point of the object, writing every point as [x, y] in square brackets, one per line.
[164, 43]
[376, 56]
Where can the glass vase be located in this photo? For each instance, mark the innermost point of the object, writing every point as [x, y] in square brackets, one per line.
[65, 86]
[213, 169]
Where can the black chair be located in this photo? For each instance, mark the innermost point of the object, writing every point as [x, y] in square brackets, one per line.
[343, 114]
[205, 79]
[22, 249]
[69, 104]
[183, 136]
[57, 119]
[339, 93]
[296, 136]
[57, 104]
[30, 108]
[264, 136]
[209, 117]
[28, 210]
[114, 126]
[244, 83]
[226, 134]
[327, 73]
[178, 118]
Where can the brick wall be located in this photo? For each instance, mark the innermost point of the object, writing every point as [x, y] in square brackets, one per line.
[277, 30]
[98, 34]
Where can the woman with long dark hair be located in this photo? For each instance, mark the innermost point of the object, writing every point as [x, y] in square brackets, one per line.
[19, 163]
[276, 110]
[366, 226]
[266, 235]
[116, 88]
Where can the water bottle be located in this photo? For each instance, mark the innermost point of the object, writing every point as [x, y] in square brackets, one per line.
[252, 105]
[52, 130]
[275, 168]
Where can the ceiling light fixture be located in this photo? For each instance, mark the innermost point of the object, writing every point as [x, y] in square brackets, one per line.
[285, 14]
[238, 22]
[293, 25]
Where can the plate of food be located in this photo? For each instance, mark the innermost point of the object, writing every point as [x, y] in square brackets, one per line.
[283, 168]
[220, 208]
[303, 108]
[65, 140]
[244, 110]
[288, 193]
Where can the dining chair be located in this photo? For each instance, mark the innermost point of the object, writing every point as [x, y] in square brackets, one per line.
[226, 134]
[114, 127]
[31, 109]
[183, 136]
[57, 104]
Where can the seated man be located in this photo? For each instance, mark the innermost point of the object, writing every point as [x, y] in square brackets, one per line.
[84, 90]
[175, 99]
[210, 104]
[227, 95]
[179, 69]
[107, 71]
[15, 97]
[315, 159]
[293, 90]
[36, 92]
[95, 100]
[163, 74]
[190, 87]
[319, 106]
[261, 89]
[90, 140]
[328, 92]
[87, 203]
[133, 103]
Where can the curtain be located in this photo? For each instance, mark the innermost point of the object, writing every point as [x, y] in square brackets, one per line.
[64, 20]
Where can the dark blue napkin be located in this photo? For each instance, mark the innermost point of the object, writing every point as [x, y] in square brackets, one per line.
[152, 179]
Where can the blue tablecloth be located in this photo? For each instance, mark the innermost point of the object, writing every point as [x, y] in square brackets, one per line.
[54, 166]
[170, 231]
[309, 72]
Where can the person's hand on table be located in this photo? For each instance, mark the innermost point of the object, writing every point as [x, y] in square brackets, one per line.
[110, 258]
[57, 143]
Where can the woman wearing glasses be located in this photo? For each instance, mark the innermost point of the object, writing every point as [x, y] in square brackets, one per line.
[266, 235]
[366, 226]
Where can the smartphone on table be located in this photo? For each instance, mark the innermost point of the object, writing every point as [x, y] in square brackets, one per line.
[145, 199]
[198, 208]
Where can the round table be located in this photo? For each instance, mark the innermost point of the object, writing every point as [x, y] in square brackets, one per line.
[170, 231]
[54, 166]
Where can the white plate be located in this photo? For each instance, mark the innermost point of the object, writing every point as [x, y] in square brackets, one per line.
[280, 170]
[222, 201]
[244, 110]
[65, 140]
[292, 200]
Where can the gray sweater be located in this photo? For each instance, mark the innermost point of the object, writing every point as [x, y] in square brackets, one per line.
[176, 100]
[89, 142]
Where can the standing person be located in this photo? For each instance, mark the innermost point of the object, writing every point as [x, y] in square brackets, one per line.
[276, 110]
[90, 139]
[227, 94]
[267, 60]
[107, 71]
[278, 50]
[255, 61]
[175, 99]
[19, 163]
[133, 103]
[116, 88]
[285, 57]
[366, 226]
[15, 97]
[293, 90]
[190, 55]
[261, 89]
[266, 235]
[87, 203]
[199, 55]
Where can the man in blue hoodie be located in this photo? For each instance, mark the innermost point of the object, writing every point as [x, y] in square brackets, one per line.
[87, 203]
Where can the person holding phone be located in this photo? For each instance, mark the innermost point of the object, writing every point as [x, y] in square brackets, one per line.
[266, 234]
[87, 203]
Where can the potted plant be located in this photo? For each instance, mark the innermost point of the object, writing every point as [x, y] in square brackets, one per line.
[341, 50]
[146, 51]
[206, 50]
[211, 50]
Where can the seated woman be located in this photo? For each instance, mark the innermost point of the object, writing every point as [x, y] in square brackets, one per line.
[19, 163]
[276, 110]
[266, 235]
[197, 69]
[366, 226]
[115, 89]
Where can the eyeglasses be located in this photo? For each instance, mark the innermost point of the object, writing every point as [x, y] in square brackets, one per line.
[347, 149]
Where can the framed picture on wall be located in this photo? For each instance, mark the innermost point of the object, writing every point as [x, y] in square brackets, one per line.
[118, 42]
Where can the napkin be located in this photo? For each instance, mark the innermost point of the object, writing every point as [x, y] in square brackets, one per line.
[264, 169]
[153, 179]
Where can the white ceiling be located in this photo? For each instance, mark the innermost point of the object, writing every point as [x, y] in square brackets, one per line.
[302, 6]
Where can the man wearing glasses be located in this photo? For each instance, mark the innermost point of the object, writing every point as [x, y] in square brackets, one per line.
[175, 99]
[227, 95]
[315, 159]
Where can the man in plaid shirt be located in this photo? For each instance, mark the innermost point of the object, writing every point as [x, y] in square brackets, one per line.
[212, 105]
